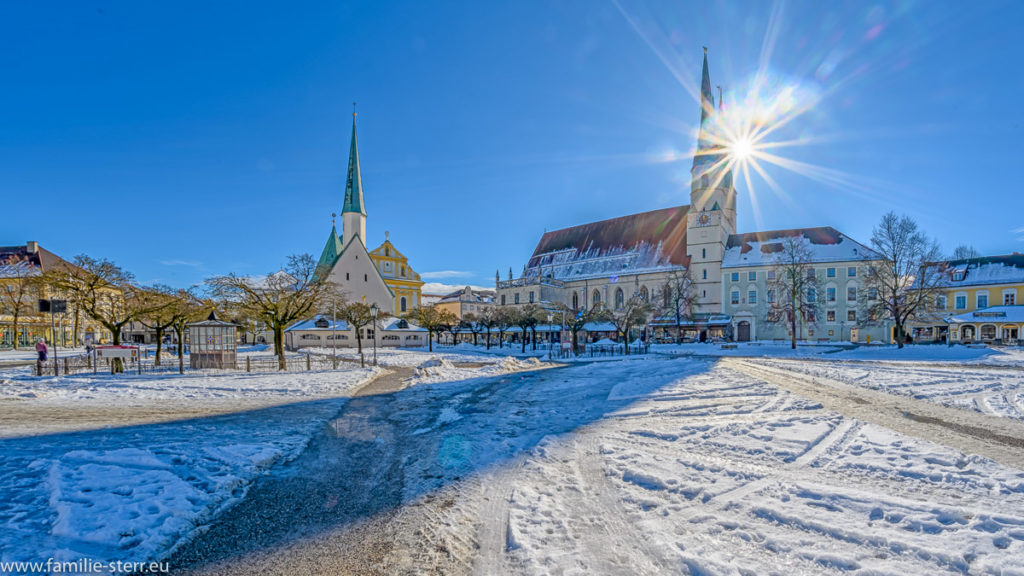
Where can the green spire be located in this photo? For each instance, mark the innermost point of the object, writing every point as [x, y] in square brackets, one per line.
[354, 183]
[332, 250]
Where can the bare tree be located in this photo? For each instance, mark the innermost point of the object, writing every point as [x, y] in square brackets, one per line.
[504, 318]
[908, 275]
[279, 299]
[486, 321]
[964, 251]
[103, 291]
[357, 315]
[530, 315]
[187, 307]
[577, 319]
[472, 323]
[634, 312]
[159, 312]
[434, 320]
[679, 298]
[793, 292]
[18, 289]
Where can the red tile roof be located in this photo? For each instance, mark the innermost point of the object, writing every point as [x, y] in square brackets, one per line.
[666, 226]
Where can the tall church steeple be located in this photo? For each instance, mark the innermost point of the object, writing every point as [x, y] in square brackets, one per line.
[712, 214]
[353, 213]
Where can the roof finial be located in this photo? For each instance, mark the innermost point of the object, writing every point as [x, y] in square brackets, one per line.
[386, 235]
[719, 86]
[705, 49]
[354, 104]
[333, 216]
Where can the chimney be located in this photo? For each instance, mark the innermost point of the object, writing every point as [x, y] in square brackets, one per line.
[32, 247]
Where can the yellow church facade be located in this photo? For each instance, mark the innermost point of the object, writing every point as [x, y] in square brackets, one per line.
[403, 281]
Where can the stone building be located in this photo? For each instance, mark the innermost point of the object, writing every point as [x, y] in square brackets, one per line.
[605, 263]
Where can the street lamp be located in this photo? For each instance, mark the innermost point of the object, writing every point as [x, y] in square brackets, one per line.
[550, 318]
[374, 310]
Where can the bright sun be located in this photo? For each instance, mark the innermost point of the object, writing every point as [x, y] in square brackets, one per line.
[742, 149]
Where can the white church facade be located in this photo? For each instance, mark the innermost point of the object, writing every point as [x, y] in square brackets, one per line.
[605, 263]
[381, 276]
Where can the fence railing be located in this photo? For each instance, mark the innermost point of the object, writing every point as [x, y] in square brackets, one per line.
[294, 363]
[604, 350]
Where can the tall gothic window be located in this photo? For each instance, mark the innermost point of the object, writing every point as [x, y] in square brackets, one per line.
[597, 298]
[575, 301]
[643, 293]
[619, 299]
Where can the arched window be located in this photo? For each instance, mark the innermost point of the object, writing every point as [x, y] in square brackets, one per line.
[403, 304]
[643, 293]
[619, 299]
[575, 301]
[597, 298]
[387, 251]
[666, 293]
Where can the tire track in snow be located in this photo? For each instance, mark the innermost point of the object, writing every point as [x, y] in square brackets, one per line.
[967, 431]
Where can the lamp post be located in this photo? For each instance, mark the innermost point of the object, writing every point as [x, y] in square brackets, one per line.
[550, 318]
[374, 310]
[334, 331]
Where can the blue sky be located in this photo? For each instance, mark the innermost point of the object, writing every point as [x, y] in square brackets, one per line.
[183, 140]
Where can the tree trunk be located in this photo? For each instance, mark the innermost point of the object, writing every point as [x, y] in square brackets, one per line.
[899, 334]
[679, 327]
[488, 338]
[15, 325]
[179, 330]
[430, 341]
[74, 332]
[474, 338]
[792, 325]
[282, 364]
[533, 338]
[116, 365]
[359, 339]
[524, 342]
[159, 344]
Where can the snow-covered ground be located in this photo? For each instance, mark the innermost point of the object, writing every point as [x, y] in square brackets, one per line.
[996, 390]
[120, 492]
[653, 464]
[717, 472]
[775, 349]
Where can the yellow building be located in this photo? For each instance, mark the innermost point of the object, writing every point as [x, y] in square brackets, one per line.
[394, 268]
[21, 288]
[974, 285]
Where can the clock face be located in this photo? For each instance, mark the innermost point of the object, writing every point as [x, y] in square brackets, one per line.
[703, 219]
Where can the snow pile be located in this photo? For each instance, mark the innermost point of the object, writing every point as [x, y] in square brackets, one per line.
[434, 367]
[512, 364]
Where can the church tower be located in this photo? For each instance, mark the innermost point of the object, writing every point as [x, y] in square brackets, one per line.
[712, 215]
[353, 213]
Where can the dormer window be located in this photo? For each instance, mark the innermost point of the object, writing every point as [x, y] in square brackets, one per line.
[958, 275]
[321, 323]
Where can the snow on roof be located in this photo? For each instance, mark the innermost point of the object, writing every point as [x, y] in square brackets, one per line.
[400, 325]
[986, 270]
[318, 323]
[996, 314]
[649, 241]
[826, 243]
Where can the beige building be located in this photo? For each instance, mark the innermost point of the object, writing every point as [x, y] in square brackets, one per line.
[466, 301]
